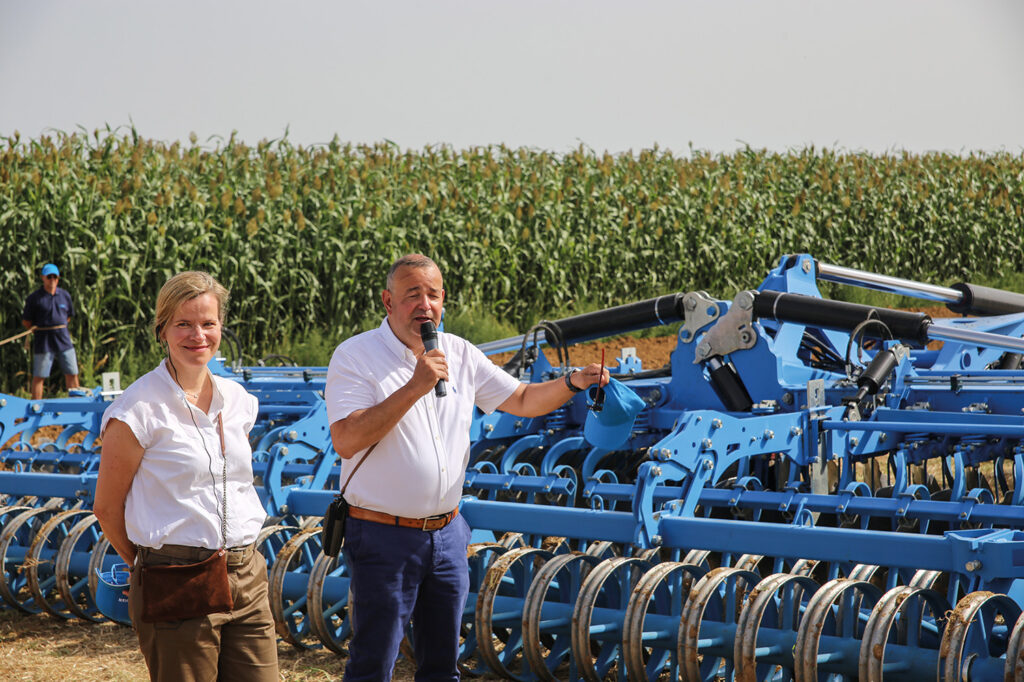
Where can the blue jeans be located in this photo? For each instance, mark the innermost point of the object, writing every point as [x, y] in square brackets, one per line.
[42, 363]
[401, 573]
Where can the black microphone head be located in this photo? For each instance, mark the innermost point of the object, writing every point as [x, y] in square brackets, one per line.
[429, 335]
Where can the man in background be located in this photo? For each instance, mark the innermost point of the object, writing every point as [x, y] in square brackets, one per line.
[46, 314]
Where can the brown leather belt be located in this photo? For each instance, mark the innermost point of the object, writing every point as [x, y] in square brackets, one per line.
[428, 523]
[236, 556]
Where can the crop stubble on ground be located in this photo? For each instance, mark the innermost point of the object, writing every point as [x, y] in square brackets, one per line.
[39, 648]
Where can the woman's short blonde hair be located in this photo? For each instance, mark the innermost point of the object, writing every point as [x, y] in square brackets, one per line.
[184, 287]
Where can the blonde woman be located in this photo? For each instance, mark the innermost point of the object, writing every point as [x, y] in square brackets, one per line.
[175, 488]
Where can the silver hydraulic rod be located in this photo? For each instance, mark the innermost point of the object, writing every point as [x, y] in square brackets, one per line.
[505, 345]
[892, 285]
[283, 372]
[986, 339]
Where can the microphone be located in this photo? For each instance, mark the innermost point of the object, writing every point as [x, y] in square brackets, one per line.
[429, 335]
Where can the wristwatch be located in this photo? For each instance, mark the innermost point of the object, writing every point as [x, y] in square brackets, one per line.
[569, 383]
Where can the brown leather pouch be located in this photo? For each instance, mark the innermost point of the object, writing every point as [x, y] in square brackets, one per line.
[189, 591]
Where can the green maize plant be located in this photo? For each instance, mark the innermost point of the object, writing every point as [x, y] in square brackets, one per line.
[302, 235]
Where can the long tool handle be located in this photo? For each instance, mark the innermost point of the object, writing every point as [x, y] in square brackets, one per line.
[18, 336]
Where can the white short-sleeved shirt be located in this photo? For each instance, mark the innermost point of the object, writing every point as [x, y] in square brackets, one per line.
[418, 468]
[175, 497]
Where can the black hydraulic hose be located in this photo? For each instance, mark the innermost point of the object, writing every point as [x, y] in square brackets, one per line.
[979, 300]
[618, 320]
[839, 315]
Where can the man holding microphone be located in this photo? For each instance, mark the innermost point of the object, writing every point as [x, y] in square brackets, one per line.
[405, 543]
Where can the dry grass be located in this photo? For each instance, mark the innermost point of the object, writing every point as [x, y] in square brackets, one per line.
[39, 648]
[48, 434]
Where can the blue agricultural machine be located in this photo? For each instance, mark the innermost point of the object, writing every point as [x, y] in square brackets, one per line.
[813, 490]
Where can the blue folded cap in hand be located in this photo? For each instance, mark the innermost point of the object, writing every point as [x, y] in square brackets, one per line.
[612, 424]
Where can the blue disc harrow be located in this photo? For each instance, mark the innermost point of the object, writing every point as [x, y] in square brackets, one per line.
[814, 490]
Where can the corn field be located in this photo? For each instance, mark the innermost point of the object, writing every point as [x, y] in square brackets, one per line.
[303, 235]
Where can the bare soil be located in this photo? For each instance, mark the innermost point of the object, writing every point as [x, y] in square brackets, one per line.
[654, 352]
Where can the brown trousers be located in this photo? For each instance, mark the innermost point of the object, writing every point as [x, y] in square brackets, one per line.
[239, 645]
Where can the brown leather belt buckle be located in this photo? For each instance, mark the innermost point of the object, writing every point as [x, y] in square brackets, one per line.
[441, 519]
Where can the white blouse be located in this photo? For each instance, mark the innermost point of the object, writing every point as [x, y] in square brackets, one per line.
[175, 497]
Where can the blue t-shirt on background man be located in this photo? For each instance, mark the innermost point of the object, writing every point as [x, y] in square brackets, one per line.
[46, 310]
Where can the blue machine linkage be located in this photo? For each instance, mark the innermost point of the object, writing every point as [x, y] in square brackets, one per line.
[813, 490]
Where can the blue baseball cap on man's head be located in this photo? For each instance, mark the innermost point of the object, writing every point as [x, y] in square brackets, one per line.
[612, 425]
[50, 269]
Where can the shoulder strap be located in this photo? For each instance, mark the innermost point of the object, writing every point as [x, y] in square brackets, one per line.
[223, 481]
[358, 464]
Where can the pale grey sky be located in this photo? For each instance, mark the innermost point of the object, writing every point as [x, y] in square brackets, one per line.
[874, 75]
